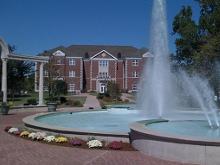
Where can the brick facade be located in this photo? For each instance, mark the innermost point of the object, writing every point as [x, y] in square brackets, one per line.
[89, 68]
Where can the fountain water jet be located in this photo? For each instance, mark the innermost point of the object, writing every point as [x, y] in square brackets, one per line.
[160, 93]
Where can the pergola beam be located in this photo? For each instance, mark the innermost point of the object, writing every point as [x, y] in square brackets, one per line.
[27, 58]
[5, 55]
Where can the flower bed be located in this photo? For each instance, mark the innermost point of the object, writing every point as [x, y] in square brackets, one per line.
[61, 140]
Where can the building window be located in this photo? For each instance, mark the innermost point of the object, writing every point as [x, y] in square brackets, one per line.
[135, 63]
[45, 73]
[134, 87]
[103, 63]
[72, 73]
[72, 61]
[59, 61]
[135, 74]
[103, 75]
[71, 87]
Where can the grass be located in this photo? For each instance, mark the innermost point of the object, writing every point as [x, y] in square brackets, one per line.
[21, 100]
[82, 99]
[93, 93]
[106, 102]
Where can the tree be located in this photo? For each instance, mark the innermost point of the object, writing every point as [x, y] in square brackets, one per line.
[113, 90]
[60, 87]
[198, 44]
[52, 81]
[17, 73]
[187, 41]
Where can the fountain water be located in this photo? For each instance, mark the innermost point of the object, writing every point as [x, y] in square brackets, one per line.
[161, 88]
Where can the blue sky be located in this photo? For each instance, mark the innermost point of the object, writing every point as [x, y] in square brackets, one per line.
[37, 25]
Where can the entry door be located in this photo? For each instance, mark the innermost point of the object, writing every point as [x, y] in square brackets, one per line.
[102, 88]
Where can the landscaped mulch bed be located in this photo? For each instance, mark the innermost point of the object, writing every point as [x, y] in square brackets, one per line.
[79, 143]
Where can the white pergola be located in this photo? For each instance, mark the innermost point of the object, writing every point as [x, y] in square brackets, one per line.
[6, 55]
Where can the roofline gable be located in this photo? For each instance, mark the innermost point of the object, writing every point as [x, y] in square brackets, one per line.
[104, 52]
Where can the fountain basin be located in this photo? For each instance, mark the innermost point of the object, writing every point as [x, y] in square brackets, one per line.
[91, 123]
[170, 140]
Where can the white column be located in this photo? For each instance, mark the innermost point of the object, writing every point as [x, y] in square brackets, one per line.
[4, 79]
[35, 77]
[41, 85]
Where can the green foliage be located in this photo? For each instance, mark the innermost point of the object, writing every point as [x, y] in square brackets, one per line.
[29, 83]
[74, 103]
[32, 101]
[198, 44]
[55, 86]
[17, 74]
[100, 96]
[113, 90]
[63, 100]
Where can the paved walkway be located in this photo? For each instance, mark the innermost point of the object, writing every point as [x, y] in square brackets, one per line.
[17, 151]
[91, 101]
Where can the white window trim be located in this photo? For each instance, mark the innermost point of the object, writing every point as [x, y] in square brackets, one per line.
[134, 86]
[72, 61]
[71, 87]
[72, 73]
[135, 74]
[135, 62]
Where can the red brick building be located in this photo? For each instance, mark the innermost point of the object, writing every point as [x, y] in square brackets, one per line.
[90, 67]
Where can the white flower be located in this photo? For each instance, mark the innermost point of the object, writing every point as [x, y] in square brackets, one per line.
[32, 135]
[40, 135]
[12, 130]
[49, 138]
[94, 143]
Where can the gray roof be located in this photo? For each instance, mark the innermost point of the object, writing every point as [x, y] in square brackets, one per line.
[91, 50]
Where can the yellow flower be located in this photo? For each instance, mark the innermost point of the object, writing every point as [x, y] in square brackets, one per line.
[61, 139]
[24, 133]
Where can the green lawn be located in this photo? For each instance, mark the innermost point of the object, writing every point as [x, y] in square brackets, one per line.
[21, 100]
[82, 99]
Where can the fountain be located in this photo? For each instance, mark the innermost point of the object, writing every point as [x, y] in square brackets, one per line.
[179, 133]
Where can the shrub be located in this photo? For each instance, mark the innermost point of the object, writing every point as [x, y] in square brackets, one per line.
[63, 100]
[126, 101]
[94, 144]
[107, 99]
[102, 105]
[100, 96]
[61, 139]
[17, 133]
[24, 133]
[7, 128]
[10, 104]
[115, 145]
[74, 103]
[76, 142]
[32, 101]
[49, 138]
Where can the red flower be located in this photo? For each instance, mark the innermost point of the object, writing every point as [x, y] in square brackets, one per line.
[115, 145]
[17, 133]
